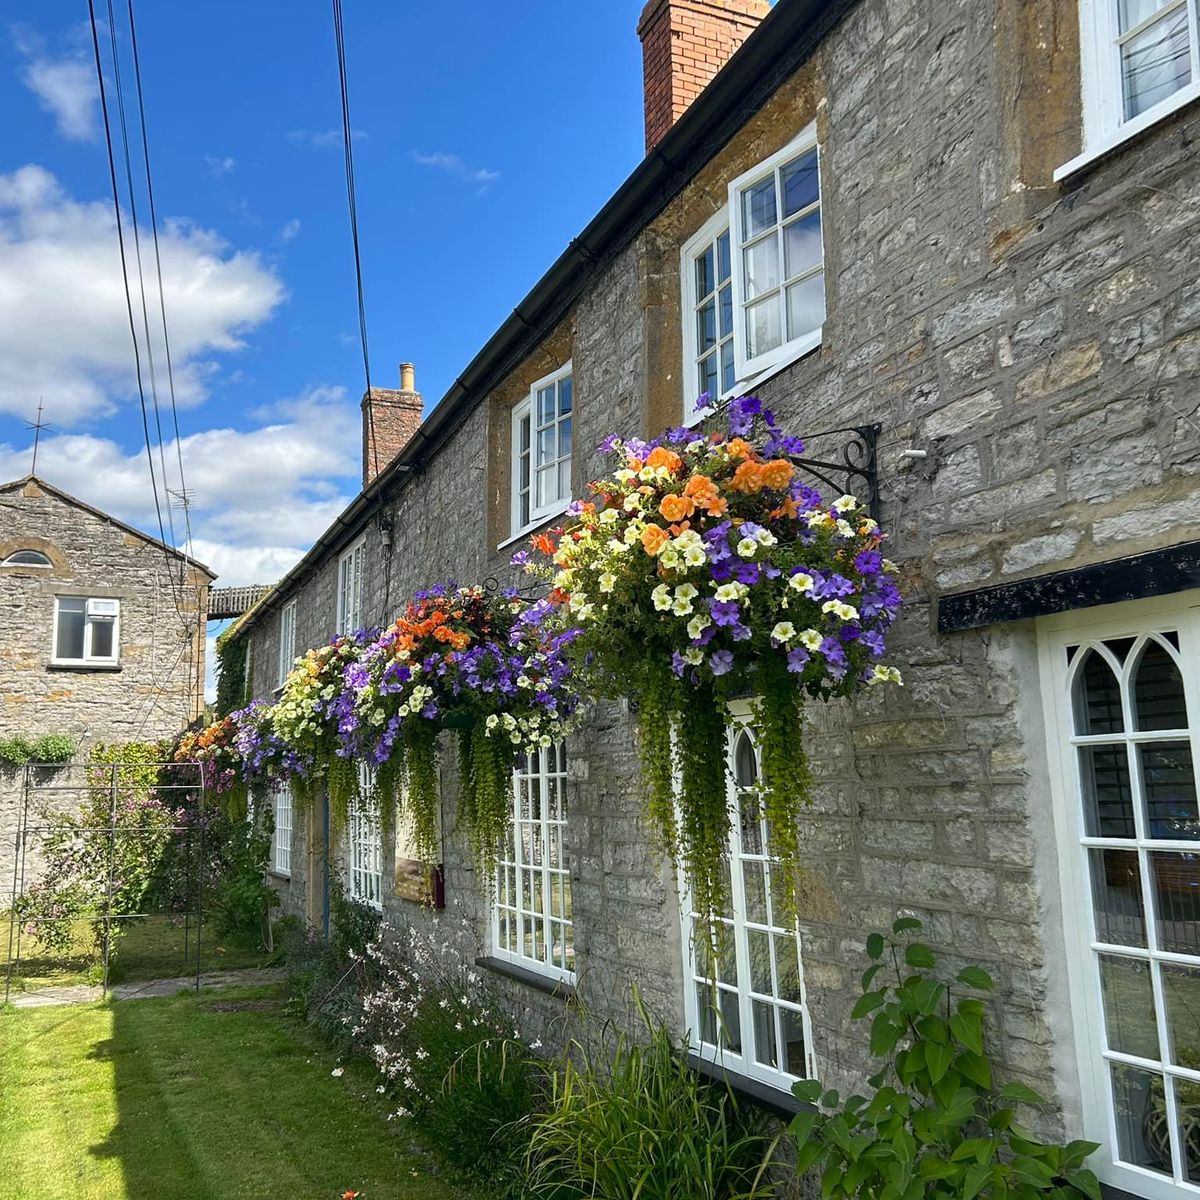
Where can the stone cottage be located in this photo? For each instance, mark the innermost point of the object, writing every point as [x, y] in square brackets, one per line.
[102, 633]
[974, 225]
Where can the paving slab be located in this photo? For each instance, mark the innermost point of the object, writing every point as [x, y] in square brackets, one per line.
[84, 993]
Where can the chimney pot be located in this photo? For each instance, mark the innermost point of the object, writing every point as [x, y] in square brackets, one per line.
[684, 44]
[407, 378]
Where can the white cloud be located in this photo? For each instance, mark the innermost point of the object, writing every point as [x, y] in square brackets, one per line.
[322, 139]
[219, 165]
[452, 164]
[259, 496]
[64, 331]
[64, 86]
[289, 231]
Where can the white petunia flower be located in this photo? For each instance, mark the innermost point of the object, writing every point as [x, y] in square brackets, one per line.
[845, 503]
[801, 582]
[661, 597]
[810, 639]
[847, 612]
[747, 547]
[784, 631]
[884, 675]
[608, 581]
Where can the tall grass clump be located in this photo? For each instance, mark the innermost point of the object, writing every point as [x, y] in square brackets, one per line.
[633, 1121]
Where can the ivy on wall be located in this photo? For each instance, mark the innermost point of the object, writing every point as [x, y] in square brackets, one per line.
[233, 673]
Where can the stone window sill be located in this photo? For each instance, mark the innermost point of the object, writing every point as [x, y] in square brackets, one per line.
[560, 989]
[779, 1104]
[111, 668]
[282, 876]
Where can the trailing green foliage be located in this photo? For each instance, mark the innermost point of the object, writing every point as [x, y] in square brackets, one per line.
[233, 674]
[938, 1126]
[353, 925]
[640, 1124]
[51, 748]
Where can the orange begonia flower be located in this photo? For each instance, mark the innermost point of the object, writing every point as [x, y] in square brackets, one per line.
[777, 473]
[675, 508]
[660, 456]
[544, 542]
[747, 478]
[789, 508]
[740, 448]
[699, 485]
[718, 506]
[654, 538]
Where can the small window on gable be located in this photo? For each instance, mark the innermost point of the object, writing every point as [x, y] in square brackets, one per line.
[541, 450]
[86, 630]
[754, 277]
[27, 558]
[1140, 60]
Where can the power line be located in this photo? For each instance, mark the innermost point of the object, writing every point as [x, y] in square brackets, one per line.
[137, 250]
[137, 359]
[351, 199]
[162, 304]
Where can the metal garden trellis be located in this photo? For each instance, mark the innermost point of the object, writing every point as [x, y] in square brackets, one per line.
[107, 777]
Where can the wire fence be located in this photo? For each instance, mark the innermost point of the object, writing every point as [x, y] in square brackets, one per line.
[97, 813]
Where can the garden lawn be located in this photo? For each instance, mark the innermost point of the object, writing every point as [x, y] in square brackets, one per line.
[149, 948]
[213, 1096]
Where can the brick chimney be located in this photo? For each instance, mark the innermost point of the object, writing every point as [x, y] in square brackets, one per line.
[684, 44]
[392, 415]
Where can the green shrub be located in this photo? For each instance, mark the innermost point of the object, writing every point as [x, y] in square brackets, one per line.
[15, 751]
[353, 925]
[644, 1126]
[241, 901]
[937, 1126]
[52, 748]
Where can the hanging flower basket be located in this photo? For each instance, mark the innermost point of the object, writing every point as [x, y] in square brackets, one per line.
[308, 720]
[221, 766]
[703, 568]
[462, 659]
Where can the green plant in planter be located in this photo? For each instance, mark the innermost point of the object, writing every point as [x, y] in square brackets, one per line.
[49, 748]
[937, 1125]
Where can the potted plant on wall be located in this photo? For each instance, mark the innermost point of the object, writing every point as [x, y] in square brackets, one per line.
[703, 568]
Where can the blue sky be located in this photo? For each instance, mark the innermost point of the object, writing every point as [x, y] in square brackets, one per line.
[488, 136]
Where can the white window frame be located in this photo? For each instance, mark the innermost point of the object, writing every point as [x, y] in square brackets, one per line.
[706, 236]
[287, 638]
[281, 838]
[1102, 88]
[1134, 619]
[552, 881]
[28, 566]
[351, 566]
[364, 845]
[527, 408]
[750, 369]
[741, 715]
[89, 659]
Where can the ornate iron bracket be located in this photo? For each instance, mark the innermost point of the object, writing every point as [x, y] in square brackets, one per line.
[856, 473]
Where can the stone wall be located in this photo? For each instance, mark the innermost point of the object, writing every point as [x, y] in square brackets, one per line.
[1041, 343]
[156, 688]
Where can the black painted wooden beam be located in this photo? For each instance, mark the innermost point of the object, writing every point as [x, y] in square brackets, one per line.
[1156, 573]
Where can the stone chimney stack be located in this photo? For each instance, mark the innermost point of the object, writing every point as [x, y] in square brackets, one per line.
[390, 417]
[684, 44]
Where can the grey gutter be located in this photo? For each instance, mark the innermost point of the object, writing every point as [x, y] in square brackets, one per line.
[771, 54]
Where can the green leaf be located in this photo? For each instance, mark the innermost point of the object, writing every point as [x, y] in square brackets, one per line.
[802, 1126]
[977, 978]
[918, 955]
[1020, 1092]
[885, 1033]
[808, 1090]
[1085, 1182]
[938, 1057]
[875, 945]
[867, 1003]
[974, 1180]
[904, 924]
[830, 1099]
[968, 1030]
[868, 976]
[934, 1029]
[808, 1154]
[976, 1068]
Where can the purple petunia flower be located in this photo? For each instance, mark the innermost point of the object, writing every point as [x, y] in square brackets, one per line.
[797, 660]
[724, 612]
[721, 662]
